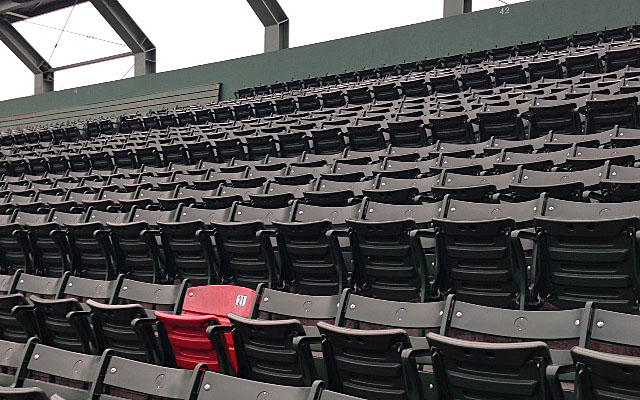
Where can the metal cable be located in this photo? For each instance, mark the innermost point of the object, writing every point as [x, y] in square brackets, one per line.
[62, 31]
[125, 74]
[75, 33]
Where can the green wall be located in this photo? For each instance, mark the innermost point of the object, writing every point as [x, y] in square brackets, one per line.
[528, 21]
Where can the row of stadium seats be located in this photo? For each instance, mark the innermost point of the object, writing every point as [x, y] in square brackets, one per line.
[541, 49]
[505, 113]
[390, 251]
[374, 349]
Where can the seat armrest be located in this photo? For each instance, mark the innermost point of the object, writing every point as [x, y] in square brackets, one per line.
[339, 232]
[409, 355]
[524, 234]
[81, 321]
[26, 315]
[305, 341]
[422, 233]
[144, 329]
[265, 233]
[553, 373]
[214, 332]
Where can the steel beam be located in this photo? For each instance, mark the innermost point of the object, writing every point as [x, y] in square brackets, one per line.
[28, 55]
[456, 7]
[141, 46]
[275, 22]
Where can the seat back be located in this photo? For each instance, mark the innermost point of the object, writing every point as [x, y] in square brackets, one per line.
[124, 375]
[386, 259]
[60, 366]
[311, 256]
[469, 370]
[609, 111]
[361, 311]
[116, 329]
[603, 375]
[587, 252]
[83, 288]
[614, 373]
[368, 363]
[560, 117]
[215, 386]
[14, 356]
[136, 251]
[479, 258]
[61, 324]
[266, 353]
[189, 251]
[244, 246]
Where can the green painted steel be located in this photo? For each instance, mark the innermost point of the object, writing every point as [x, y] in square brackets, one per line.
[523, 22]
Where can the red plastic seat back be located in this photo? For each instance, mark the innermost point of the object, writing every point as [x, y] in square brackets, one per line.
[204, 306]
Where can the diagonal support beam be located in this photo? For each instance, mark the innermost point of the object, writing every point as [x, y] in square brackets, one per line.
[275, 22]
[28, 55]
[141, 46]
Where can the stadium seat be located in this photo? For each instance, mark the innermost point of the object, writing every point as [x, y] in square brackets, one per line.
[388, 254]
[88, 240]
[126, 327]
[184, 335]
[600, 238]
[373, 364]
[120, 378]
[606, 374]
[60, 366]
[15, 354]
[309, 248]
[277, 350]
[244, 245]
[466, 369]
[215, 386]
[480, 256]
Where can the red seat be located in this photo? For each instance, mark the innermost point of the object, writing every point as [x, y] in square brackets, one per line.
[204, 306]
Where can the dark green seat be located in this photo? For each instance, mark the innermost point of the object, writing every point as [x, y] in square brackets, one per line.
[13, 356]
[310, 251]
[244, 245]
[48, 244]
[373, 364]
[126, 327]
[120, 376]
[60, 366]
[602, 375]
[65, 323]
[588, 252]
[619, 183]
[17, 321]
[513, 359]
[187, 245]
[216, 386]
[31, 393]
[89, 241]
[480, 257]
[388, 254]
[14, 249]
[274, 349]
[135, 248]
[606, 376]
[361, 312]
